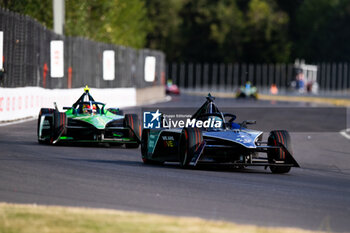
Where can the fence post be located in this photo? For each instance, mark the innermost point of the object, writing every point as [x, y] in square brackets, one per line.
[283, 77]
[334, 76]
[206, 77]
[182, 75]
[251, 73]
[214, 80]
[97, 71]
[271, 75]
[328, 78]
[198, 85]
[258, 76]
[222, 77]
[229, 78]
[167, 72]
[235, 75]
[70, 72]
[322, 76]
[265, 77]
[345, 84]
[243, 74]
[340, 77]
[278, 76]
[190, 76]
[290, 74]
[174, 73]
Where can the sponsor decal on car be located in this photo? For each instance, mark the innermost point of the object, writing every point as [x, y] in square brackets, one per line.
[168, 141]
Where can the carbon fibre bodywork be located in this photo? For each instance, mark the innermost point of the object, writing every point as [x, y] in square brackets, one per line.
[88, 121]
[232, 143]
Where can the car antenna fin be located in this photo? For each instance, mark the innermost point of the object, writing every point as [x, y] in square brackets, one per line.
[86, 89]
[55, 104]
[87, 92]
[210, 98]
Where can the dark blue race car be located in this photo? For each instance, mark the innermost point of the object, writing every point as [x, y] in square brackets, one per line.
[224, 142]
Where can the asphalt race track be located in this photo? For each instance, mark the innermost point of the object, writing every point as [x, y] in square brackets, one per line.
[316, 196]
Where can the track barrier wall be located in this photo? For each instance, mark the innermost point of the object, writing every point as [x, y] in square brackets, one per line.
[32, 80]
[27, 59]
[19, 103]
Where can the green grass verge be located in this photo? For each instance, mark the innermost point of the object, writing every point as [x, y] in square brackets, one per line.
[36, 219]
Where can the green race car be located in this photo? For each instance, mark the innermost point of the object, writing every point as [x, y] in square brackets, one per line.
[88, 121]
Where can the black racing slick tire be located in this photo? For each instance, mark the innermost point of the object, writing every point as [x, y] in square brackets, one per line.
[132, 122]
[43, 112]
[190, 140]
[276, 138]
[59, 125]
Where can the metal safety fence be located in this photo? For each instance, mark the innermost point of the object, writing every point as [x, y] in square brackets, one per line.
[321, 78]
[26, 58]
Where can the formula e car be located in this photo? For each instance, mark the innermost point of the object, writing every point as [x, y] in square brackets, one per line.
[247, 91]
[88, 121]
[171, 88]
[226, 143]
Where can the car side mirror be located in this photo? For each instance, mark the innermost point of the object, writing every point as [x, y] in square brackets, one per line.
[247, 122]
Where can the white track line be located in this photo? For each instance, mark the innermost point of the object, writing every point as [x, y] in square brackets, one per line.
[345, 133]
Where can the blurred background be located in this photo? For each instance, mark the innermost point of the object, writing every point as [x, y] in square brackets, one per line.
[299, 46]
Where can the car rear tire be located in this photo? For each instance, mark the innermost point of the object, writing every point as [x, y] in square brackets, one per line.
[190, 140]
[279, 137]
[59, 125]
[132, 121]
[279, 170]
[44, 111]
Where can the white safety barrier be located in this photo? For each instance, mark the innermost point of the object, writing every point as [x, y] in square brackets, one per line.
[19, 103]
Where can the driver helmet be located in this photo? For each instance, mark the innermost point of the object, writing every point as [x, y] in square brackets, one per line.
[88, 109]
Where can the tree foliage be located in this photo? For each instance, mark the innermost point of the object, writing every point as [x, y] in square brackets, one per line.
[323, 30]
[208, 30]
[266, 33]
[38, 9]
[164, 23]
[123, 22]
[226, 31]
